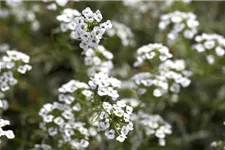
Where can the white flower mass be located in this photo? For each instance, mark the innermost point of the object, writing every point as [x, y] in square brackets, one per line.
[179, 23]
[151, 51]
[85, 26]
[212, 45]
[12, 62]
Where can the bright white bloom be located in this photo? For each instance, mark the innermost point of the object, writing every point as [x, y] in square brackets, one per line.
[8, 133]
[212, 45]
[72, 86]
[121, 138]
[122, 114]
[105, 85]
[110, 134]
[180, 22]
[61, 2]
[152, 51]
[79, 24]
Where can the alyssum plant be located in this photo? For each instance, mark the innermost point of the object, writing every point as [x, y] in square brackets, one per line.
[94, 110]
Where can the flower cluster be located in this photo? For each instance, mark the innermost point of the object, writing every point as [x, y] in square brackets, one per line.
[213, 45]
[59, 117]
[14, 60]
[9, 133]
[21, 13]
[180, 22]
[63, 119]
[85, 27]
[119, 111]
[152, 51]
[105, 85]
[154, 125]
[68, 18]
[59, 122]
[10, 63]
[98, 59]
[170, 77]
[123, 32]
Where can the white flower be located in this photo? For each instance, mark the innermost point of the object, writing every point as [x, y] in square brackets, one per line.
[8, 133]
[130, 126]
[67, 114]
[52, 131]
[77, 107]
[61, 2]
[126, 117]
[175, 88]
[48, 118]
[125, 130]
[210, 59]
[220, 51]
[103, 126]
[159, 134]
[121, 138]
[118, 111]
[69, 132]
[87, 93]
[162, 142]
[107, 106]
[84, 143]
[59, 121]
[121, 104]
[103, 115]
[213, 43]
[129, 109]
[110, 134]
[157, 93]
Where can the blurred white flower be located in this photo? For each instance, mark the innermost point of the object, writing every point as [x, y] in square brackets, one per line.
[213, 45]
[179, 22]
